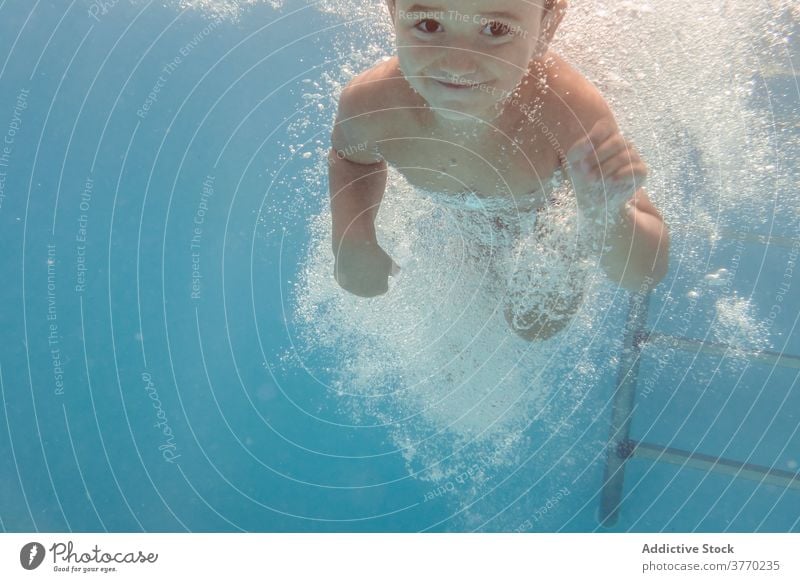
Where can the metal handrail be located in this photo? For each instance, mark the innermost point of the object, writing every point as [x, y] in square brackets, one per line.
[622, 411]
[621, 447]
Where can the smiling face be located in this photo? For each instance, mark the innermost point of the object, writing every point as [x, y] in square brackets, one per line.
[465, 56]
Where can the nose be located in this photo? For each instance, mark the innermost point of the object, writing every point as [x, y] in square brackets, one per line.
[457, 61]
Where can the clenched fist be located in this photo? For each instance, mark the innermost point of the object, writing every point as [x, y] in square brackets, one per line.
[362, 267]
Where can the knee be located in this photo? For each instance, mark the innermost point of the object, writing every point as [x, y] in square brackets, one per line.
[534, 325]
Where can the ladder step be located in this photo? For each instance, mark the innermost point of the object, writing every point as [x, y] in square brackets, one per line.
[714, 349]
[768, 475]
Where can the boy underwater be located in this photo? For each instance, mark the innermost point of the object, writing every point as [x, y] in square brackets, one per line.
[468, 75]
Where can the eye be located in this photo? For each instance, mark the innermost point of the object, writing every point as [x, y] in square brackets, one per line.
[497, 29]
[429, 25]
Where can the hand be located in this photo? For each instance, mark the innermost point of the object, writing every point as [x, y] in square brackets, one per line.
[605, 169]
[362, 267]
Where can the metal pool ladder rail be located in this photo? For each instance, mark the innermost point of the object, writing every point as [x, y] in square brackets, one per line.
[621, 447]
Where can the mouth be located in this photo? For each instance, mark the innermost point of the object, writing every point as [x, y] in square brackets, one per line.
[460, 86]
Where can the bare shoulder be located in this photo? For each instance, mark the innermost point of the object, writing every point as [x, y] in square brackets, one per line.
[573, 104]
[374, 89]
[368, 108]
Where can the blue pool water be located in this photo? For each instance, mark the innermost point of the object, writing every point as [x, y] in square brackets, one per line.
[177, 357]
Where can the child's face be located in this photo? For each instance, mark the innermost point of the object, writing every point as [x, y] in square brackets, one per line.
[466, 55]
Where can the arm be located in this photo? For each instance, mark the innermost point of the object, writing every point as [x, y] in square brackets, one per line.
[357, 179]
[607, 174]
[639, 245]
[356, 170]
[356, 191]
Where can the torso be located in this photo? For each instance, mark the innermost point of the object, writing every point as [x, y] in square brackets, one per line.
[512, 158]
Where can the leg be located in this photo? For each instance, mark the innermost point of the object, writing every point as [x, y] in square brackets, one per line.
[547, 319]
[548, 287]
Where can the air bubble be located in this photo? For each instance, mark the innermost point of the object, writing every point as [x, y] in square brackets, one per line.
[718, 278]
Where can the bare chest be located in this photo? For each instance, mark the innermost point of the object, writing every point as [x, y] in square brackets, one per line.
[492, 166]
